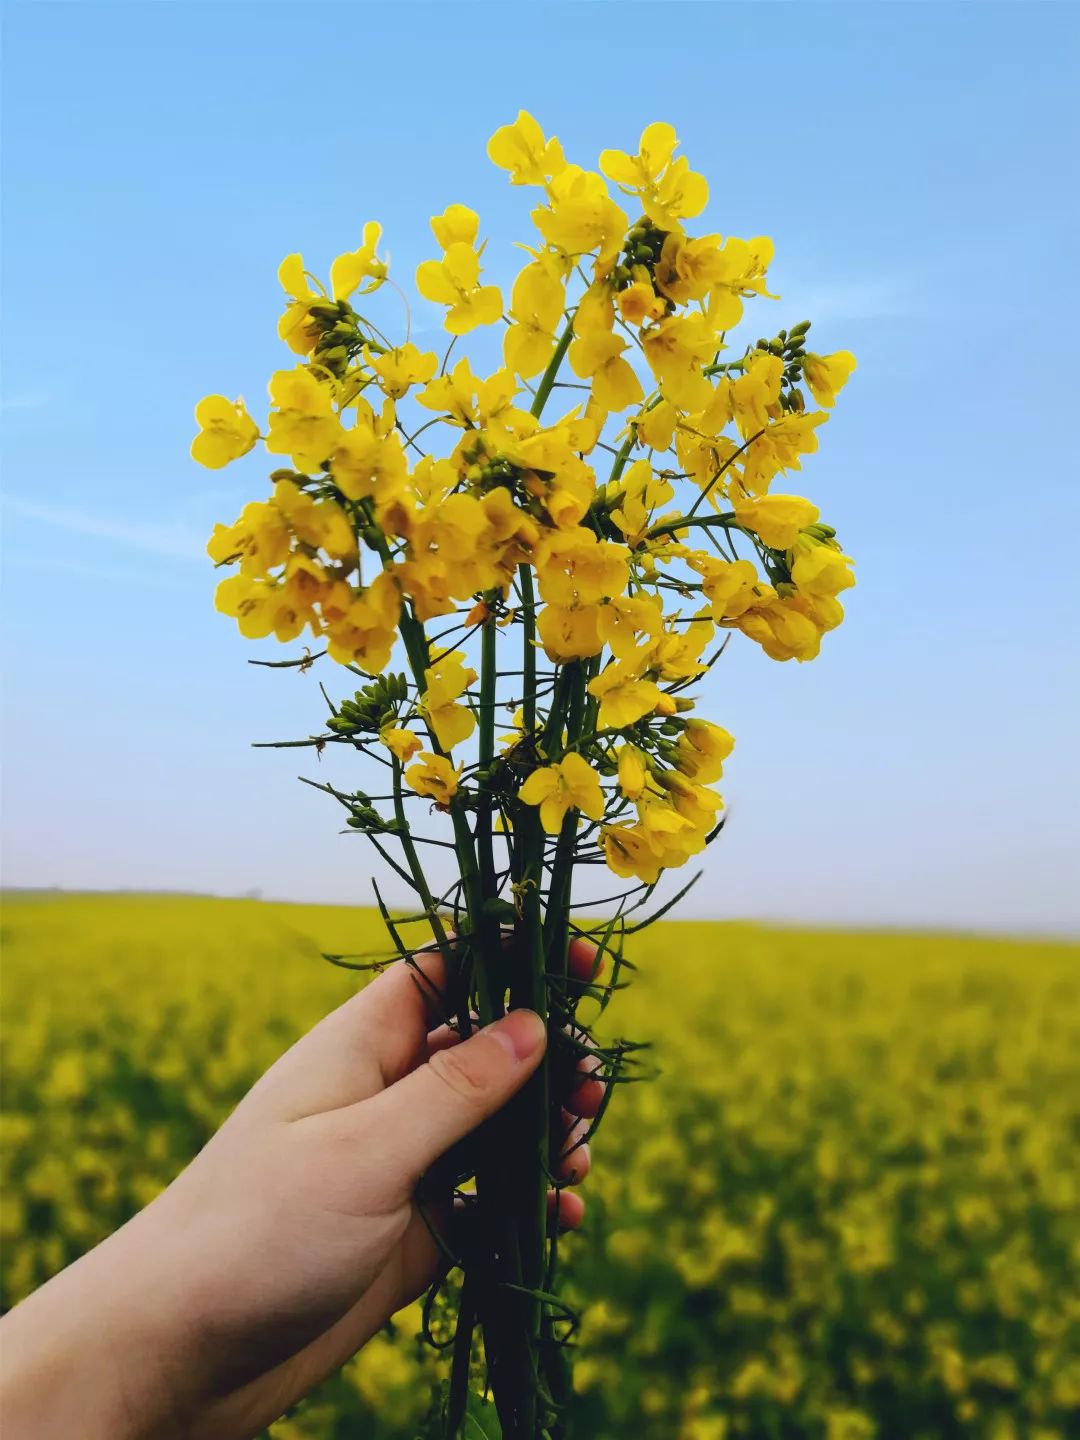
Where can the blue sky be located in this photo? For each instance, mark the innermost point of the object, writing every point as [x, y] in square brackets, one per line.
[911, 162]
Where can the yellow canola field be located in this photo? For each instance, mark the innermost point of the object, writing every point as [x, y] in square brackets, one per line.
[848, 1207]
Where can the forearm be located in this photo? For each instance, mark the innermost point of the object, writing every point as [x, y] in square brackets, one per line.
[97, 1352]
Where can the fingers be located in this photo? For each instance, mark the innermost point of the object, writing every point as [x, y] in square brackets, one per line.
[379, 1035]
[362, 1046]
[571, 1208]
[572, 1160]
[399, 1008]
[425, 1112]
[586, 1093]
[584, 960]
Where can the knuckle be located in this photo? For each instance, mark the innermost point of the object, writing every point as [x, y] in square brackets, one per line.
[458, 1073]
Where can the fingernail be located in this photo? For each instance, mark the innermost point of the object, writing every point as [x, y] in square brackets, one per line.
[521, 1033]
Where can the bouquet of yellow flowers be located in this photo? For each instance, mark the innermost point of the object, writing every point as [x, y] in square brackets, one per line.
[616, 544]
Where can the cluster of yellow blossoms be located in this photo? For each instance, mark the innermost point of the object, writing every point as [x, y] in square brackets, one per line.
[671, 435]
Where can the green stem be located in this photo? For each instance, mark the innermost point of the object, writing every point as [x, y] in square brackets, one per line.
[486, 925]
[547, 380]
[459, 993]
[557, 920]
[618, 465]
[458, 1399]
[725, 466]
[528, 987]
[510, 1356]
[528, 980]
[528, 659]
[417, 649]
[688, 522]
[513, 1196]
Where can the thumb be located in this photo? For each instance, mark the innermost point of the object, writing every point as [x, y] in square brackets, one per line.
[455, 1090]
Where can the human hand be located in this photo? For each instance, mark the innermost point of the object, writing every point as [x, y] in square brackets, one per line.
[290, 1239]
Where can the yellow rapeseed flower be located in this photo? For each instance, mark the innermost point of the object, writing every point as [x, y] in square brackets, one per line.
[350, 269]
[296, 326]
[571, 784]
[574, 567]
[522, 149]
[304, 426]
[227, 431]
[598, 357]
[401, 743]
[623, 694]
[445, 682]
[668, 189]
[702, 749]
[777, 519]
[632, 771]
[457, 225]
[822, 570]
[569, 632]
[536, 308]
[826, 375]
[454, 281]
[398, 370]
[434, 776]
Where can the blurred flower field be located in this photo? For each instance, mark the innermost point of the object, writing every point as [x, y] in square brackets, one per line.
[848, 1207]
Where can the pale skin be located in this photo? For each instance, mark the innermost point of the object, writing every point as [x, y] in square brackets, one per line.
[290, 1239]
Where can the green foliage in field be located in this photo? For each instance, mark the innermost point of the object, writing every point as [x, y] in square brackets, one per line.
[849, 1206]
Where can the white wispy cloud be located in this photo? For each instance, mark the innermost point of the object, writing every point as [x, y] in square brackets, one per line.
[86, 570]
[174, 539]
[840, 302]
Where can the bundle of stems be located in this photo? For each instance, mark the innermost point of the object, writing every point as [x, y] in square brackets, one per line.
[505, 928]
[587, 571]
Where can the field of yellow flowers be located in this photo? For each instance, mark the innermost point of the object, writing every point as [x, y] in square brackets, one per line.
[848, 1207]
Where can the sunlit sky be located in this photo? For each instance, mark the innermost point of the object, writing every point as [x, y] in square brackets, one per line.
[911, 162]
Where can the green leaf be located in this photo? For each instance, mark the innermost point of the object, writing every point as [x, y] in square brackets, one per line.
[480, 1422]
[500, 910]
[481, 1419]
